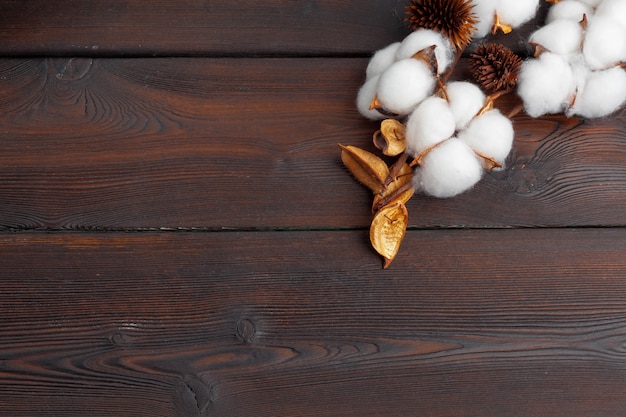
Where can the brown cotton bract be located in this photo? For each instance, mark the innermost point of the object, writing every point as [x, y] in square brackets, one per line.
[494, 67]
[452, 18]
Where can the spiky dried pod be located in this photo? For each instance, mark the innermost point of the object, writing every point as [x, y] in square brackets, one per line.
[494, 67]
[453, 18]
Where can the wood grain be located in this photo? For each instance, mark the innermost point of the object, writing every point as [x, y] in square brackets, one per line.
[252, 143]
[465, 322]
[108, 28]
[191, 27]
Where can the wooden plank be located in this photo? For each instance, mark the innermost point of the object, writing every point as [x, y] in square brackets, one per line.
[216, 27]
[191, 27]
[530, 322]
[252, 143]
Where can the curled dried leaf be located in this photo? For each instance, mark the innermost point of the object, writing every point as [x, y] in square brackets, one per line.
[401, 189]
[390, 139]
[366, 167]
[388, 229]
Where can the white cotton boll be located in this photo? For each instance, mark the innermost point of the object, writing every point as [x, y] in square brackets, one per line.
[613, 9]
[605, 43]
[425, 38]
[404, 85]
[490, 134]
[545, 84]
[580, 71]
[604, 92]
[562, 37]
[430, 123]
[448, 170]
[591, 3]
[569, 10]
[381, 60]
[485, 12]
[465, 100]
[364, 98]
[516, 12]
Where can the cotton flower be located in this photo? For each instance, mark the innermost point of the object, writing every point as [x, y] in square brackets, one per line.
[613, 9]
[448, 170]
[592, 3]
[516, 12]
[465, 101]
[490, 135]
[562, 37]
[404, 85]
[485, 11]
[381, 60]
[364, 98]
[603, 93]
[502, 14]
[423, 39]
[569, 10]
[430, 123]
[546, 84]
[605, 43]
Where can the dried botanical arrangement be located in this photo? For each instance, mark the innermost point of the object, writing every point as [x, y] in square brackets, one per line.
[444, 135]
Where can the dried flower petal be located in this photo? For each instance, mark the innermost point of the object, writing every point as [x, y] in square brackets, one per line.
[453, 18]
[388, 229]
[390, 139]
[366, 167]
[494, 67]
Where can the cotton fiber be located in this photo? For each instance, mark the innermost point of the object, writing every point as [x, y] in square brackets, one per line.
[448, 170]
[485, 11]
[364, 98]
[562, 37]
[516, 12]
[545, 84]
[569, 10]
[381, 60]
[591, 3]
[613, 9]
[425, 38]
[605, 43]
[430, 123]
[465, 100]
[490, 134]
[404, 85]
[603, 93]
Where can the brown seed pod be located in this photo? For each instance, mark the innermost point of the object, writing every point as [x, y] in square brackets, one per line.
[494, 67]
[388, 229]
[366, 167]
[390, 139]
[453, 18]
[400, 189]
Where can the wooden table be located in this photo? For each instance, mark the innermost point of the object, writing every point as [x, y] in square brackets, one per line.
[179, 236]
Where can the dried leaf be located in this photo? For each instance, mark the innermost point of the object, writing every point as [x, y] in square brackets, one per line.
[366, 167]
[399, 190]
[390, 139]
[388, 229]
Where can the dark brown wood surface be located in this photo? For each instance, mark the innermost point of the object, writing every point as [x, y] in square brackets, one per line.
[163, 324]
[179, 237]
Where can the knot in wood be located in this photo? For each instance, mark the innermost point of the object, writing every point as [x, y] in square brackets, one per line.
[246, 330]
